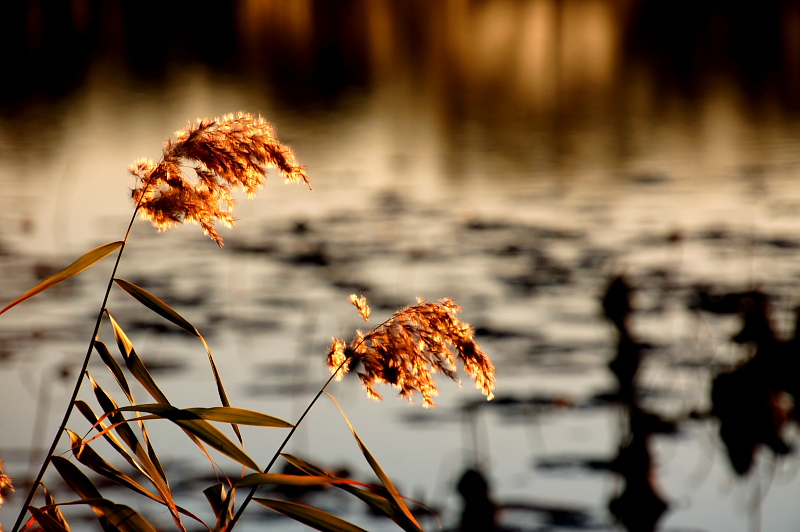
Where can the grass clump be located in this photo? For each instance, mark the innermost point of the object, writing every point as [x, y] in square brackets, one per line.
[225, 154]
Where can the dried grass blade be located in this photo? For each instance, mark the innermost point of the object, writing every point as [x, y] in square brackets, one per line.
[116, 370]
[198, 427]
[378, 470]
[54, 511]
[280, 479]
[223, 396]
[80, 484]
[46, 522]
[122, 518]
[109, 436]
[374, 500]
[156, 305]
[309, 516]
[84, 262]
[89, 457]
[230, 414]
[135, 364]
[149, 461]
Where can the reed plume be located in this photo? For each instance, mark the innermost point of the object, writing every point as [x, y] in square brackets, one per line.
[406, 351]
[6, 486]
[226, 153]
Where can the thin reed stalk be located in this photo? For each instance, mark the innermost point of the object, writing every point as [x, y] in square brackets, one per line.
[78, 382]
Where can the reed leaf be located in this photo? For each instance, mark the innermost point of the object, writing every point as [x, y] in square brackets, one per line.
[150, 464]
[80, 484]
[84, 262]
[156, 305]
[310, 516]
[112, 440]
[224, 414]
[135, 364]
[122, 518]
[381, 474]
[241, 416]
[114, 367]
[372, 499]
[195, 425]
[47, 522]
[218, 498]
[259, 479]
[164, 310]
[52, 510]
[89, 457]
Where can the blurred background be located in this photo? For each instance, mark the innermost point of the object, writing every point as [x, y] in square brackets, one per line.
[515, 155]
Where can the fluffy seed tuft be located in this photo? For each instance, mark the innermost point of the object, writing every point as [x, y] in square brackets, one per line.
[226, 153]
[406, 351]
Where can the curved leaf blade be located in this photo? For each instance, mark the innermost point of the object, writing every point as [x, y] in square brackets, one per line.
[198, 427]
[84, 262]
[309, 516]
[156, 305]
[241, 416]
[123, 518]
[47, 522]
[394, 494]
[280, 479]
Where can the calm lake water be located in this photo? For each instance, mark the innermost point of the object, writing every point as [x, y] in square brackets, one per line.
[512, 155]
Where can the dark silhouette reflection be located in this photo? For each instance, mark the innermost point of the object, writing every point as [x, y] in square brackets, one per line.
[639, 507]
[478, 514]
[753, 400]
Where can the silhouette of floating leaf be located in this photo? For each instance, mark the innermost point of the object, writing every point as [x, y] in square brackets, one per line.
[84, 262]
[195, 425]
[310, 516]
[156, 305]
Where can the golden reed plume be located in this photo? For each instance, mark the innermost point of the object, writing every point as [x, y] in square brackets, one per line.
[408, 348]
[6, 486]
[226, 153]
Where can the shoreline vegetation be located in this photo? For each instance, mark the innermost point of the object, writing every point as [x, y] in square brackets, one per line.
[226, 154]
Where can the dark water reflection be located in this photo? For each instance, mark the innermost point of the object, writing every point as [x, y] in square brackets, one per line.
[511, 154]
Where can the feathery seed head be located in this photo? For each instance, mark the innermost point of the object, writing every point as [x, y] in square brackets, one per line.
[408, 348]
[226, 153]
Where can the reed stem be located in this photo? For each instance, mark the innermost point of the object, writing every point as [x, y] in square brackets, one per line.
[275, 456]
[35, 485]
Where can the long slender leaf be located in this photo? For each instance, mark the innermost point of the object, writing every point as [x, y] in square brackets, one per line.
[85, 261]
[241, 416]
[279, 479]
[46, 522]
[150, 465]
[200, 428]
[309, 516]
[378, 470]
[372, 499]
[54, 511]
[112, 365]
[164, 310]
[135, 364]
[156, 305]
[80, 484]
[89, 457]
[123, 518]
